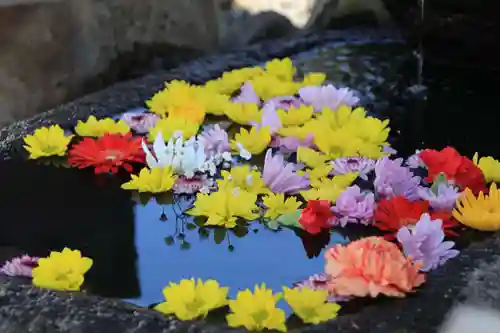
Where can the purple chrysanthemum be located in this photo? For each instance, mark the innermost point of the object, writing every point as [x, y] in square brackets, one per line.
[392, 179]
[354, 206]
[20, 266]
[345, 165]
[320, 282]
[284, 102]
[424, 243]
[328, 97]
[215, 140]
[247, 94]
[443, 197]
[280, 176]
[414, 161]
[140, 122]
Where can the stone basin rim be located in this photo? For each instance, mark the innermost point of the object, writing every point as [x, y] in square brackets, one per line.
[25, 308]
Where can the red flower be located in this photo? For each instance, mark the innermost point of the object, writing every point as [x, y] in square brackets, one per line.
[315, 216]
[397, 212]
[107, 153]
[456, 167]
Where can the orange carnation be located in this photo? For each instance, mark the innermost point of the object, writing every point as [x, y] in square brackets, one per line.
[371, 266]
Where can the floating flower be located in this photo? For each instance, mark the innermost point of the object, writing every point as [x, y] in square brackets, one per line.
[140, 122]
[441, 197]
[329, 189]
[489, 166]
[360, 165]
[47, 141]
[247, 95]
[311, 305]
[285, 102]
[255, 141]
[311, 157]
[354, 206]
[108, 153]
[19, 266]
[481, 212]
[198, 183]
[243, 113]
[231, 81]
[391, 178]
[269, 86]
[269, 118]
[295, 115]
[455, 167]
[320, 282]
[225, 206]
[280, 177]
[215, 140]
[277, 205]
[244, 177]
[327, 97]
[424, 243]
[313, 79]
[414, 161]
[156, 180]
[257, 311]
[61, 270]
[316, 216]
[369, 267]
[172, 126]
[188, 299]
[282, 69]
[397, 212]
[290, 144]
[97, 128]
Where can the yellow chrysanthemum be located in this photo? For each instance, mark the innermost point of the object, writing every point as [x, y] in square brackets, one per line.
[214, 103]
[282, 69]
[61, 270]
[189, 299]
[231, 81]
[489, 166]
[319, 172]
[295, 116]
[225, 206]
[171, 125]
[268, 86]
[254, 141]
[311, 305]
[97, 128]
[156, 180]
[277, 205]
[313, 79]
[47, 141]
[245, 178]
[329, 189]
[481, 212]
[311, 157]
[243, 113]
[257, 311]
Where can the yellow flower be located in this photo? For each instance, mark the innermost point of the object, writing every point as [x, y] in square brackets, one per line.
[156, 180]
[277, 205]
[489, 166]
[47, 141]
[311, 157]
[319, 172]
[61, 270]
[282, 69]
[242, 113]
[257, 311]
[268, 86]
[231, 81]
[189, 299]
[481, 212]
[245, 178]
[214, 103]
[254, 141]
[313, 79]
[170, 125]
[97, 128]
[225, 206]
[295, 116]
[329, 189]
[311, 305]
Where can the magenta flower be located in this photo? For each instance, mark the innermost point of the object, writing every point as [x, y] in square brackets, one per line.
[140, 122]
[270, 118]
[424, 243]
[320, 282]
[392, 179]
[354, 206]
[20, 266]
[345, 165]
[280, 176]
[215, 140]
[327, 97]
[443, 197]
[284, 102]
[247, 94]
[198, 183]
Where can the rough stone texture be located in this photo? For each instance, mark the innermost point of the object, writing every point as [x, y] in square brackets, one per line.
[54, 50]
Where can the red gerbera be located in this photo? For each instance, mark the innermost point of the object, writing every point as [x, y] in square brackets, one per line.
[398, 211]
[455, 167]
[315, 216]
[107, 153]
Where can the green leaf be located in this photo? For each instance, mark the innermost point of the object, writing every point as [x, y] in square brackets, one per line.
[169, 240]
[164, 198]
[199, 221]
[141, 198]
[438, 180]
[291, 220]
[185, 246]
[190, 226]
[219, 235]
[273, 225]
[204, 233]
[240, 231]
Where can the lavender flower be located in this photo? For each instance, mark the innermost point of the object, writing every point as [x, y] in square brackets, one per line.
[327, 97]
[424, 243]
[215, 140]
[290, 144]
[320, 282]
[414, 160]
[198, 183]
[247, 95]
[443, 197]
[284, 102]
[20, 266]
[140, 122]
[345, 165]
[392, 179]
[354, 206]
[270, 118]
[280, 176]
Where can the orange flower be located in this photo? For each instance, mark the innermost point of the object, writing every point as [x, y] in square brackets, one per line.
[371, 266]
